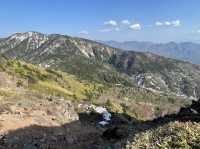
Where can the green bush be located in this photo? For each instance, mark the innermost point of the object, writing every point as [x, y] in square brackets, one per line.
[173, 135]
[114, 107]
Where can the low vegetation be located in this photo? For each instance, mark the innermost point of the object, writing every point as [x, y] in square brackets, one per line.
[173, 135]
[50, 82]
[138, 103]
[35, 83]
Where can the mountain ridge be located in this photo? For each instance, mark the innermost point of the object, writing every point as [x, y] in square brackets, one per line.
[97, 62]
[186, 51]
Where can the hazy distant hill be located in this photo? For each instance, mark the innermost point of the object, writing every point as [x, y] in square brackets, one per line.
[186, 51]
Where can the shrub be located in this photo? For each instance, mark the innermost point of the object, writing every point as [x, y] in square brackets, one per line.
[172, 135]
[114, 106]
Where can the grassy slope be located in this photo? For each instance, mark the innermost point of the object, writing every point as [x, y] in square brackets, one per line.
[133, 101]
[172, 135]
[117, 99]
[140, 103]
[50, 82]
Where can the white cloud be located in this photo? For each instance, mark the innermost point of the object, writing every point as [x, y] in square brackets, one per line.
[84, 32]
[136, 27]
[158, 23]
[198, 31]
[167, 23]
[105, 30]
[125, 22]
[111, 22]
[176, 23]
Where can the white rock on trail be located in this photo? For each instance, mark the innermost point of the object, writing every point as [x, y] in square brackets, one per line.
[105, 114]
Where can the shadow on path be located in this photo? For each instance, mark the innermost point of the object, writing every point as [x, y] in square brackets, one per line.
[87, 134]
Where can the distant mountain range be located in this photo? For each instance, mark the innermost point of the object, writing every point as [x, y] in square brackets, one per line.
[186, 51]
[98, 62]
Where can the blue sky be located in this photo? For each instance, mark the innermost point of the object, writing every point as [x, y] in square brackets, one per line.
[121, 20]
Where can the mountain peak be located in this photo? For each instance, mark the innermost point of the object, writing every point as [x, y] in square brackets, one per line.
[24, 35]
[33, 39]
